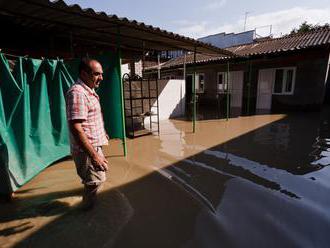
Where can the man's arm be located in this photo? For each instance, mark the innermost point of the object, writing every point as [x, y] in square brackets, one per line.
[80, 137]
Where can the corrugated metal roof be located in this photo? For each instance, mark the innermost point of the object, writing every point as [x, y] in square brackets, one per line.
[223, 40]
[284, 44]
[287, 43]
[99, 25]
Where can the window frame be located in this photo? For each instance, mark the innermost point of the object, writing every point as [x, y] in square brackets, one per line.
[197, 83]
[284, 82]
[225, 82]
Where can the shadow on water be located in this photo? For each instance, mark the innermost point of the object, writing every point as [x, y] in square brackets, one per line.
[147, 213]
[269, 187]
[39, 206]
[16, 229]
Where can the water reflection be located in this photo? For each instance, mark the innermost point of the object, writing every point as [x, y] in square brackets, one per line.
[321, 153]
[252, 216]
[269, 187]
[286, 144]
[173, 140]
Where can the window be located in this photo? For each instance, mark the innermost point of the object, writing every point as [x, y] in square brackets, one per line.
[222, 81]
[200, 82]
[284, 81]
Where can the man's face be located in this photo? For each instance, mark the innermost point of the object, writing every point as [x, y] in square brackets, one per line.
[95, 76]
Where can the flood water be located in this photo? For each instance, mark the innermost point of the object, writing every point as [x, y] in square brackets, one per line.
[258, 181]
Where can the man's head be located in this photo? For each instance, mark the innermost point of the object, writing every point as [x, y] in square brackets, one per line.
[90, 72]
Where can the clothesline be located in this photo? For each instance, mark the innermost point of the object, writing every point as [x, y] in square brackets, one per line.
[26, 56]
[12, 55]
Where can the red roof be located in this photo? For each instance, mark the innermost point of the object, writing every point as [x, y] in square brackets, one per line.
[316, 38]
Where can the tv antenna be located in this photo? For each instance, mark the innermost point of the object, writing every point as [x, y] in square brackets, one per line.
[245, 19]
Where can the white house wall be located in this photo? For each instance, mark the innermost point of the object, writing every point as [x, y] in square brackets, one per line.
[124, 69]
[171, 99]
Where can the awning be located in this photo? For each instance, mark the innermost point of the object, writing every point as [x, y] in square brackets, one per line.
[99, 27]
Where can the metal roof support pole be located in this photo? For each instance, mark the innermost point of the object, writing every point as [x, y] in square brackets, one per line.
[158, 60]
[143, 58]
[71, 45]
[327, 71]
[121, 93]
[184, 66]
[326, 78]
[194, 93]
[227, 112]
[185, 82]
[249, 87]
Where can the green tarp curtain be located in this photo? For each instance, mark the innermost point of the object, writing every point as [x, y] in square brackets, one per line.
[109, 92]
[33, 126]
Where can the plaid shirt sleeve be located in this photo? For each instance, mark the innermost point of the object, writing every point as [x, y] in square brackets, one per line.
[76, 108]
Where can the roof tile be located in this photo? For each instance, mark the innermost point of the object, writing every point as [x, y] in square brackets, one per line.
[293, 42]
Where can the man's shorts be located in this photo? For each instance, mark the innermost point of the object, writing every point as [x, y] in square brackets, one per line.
[89, 174]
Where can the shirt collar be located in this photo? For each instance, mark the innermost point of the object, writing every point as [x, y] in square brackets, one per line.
[89, 90]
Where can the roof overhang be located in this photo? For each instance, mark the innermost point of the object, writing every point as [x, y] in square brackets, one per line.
[100, 27]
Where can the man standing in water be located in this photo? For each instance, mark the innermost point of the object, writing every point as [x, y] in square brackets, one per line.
[87, 133]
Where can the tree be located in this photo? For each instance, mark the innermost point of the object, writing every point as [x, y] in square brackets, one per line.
[306, 27]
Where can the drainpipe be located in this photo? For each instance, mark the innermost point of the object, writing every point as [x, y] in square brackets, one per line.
[121, 94]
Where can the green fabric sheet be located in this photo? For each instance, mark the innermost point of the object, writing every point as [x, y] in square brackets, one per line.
[109, 92]
[33, 126]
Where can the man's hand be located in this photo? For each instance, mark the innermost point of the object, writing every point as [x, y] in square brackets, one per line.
[100, 162]
[80, 136]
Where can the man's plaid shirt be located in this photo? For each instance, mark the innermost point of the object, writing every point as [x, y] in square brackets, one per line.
[82, 103]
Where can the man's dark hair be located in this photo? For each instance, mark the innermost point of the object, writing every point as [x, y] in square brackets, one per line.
[84, 65]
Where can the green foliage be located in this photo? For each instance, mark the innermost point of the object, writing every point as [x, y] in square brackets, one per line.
[306, 27]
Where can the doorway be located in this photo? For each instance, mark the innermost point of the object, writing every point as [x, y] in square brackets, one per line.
[264, 93]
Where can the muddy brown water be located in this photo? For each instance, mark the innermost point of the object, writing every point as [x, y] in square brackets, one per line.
[259, 181]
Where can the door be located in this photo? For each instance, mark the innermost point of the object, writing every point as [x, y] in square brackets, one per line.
[265, 87]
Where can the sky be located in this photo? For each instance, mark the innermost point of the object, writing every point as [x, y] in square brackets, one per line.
[197, 18]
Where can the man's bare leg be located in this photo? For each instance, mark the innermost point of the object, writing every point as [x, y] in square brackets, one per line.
[89, 196]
